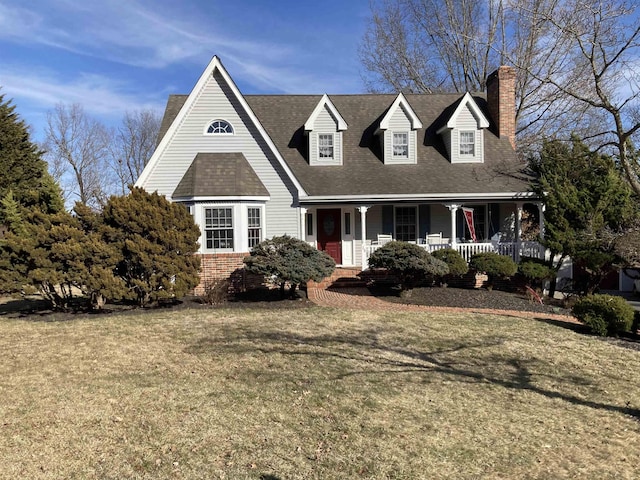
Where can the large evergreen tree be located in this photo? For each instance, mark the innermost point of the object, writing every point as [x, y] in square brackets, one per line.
[588, 203]
[25, 181]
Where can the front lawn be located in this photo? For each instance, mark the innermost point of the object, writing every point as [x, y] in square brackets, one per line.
[313, 394]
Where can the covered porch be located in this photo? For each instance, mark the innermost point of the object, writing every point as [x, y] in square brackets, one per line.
[351, 233]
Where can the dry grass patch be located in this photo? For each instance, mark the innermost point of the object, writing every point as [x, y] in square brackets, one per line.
[314, 393]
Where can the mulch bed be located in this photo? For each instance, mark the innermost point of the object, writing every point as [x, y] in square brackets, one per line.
[466, 297]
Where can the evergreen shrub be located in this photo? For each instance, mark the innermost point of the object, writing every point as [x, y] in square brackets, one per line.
[408, 262]
[494, 265]
[457, 265]
[605, 314]
[535, 271]
[284, 259]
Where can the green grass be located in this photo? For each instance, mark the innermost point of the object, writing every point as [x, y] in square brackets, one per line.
[314, 394]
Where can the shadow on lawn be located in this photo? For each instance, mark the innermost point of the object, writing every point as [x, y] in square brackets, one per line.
[391, 359]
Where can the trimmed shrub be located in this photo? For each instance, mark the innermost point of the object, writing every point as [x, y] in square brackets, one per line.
[285, 259]
[605, 314]
[457, 265]
[408, 262]
[494, 265]
[535, 271]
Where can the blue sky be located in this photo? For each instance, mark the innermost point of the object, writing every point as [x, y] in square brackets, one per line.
[117, 55]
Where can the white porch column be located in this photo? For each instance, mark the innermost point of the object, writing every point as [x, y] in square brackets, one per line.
[303, 224]
[363, 233]
[518, 230]
[453, 208]
[541, 209]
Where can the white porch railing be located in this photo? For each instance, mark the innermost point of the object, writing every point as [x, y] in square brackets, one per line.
[467, 250]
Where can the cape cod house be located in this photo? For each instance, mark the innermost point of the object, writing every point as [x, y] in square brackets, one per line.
[343, 172]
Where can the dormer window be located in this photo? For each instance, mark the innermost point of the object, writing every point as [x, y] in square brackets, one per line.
[324, 129]
[401, 145]
[398, 133]
[463, 133]
[325, 146]
[220, 127]
[467, 143]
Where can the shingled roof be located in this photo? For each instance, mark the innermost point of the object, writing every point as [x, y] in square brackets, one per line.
[363, 172]
[218, 175]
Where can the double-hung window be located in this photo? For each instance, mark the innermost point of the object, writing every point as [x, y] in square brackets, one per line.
[218, 228]
[406, 224]
[254, 226]
[401, 145]
[325, 146]
[468, 143]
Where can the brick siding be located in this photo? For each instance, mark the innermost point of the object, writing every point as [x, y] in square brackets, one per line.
[218, 266]
[501, 101]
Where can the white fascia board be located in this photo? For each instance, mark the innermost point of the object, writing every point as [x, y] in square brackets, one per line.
[483, 122]
[221, 199]
[400, 101]
[214, 64]
[419, 197]
[325, 101]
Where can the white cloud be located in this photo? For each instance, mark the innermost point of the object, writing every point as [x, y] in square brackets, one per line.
[98, 95]
[157, 34]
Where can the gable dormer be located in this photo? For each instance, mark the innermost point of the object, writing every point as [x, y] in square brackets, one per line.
[324, 129]
[397, 131]
[463, 134]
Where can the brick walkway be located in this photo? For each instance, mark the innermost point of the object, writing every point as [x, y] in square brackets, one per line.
[361, 299]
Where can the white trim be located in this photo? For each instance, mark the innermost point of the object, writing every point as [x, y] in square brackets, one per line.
[419, 197]
[400, 101]
[325, 101]
[214, 65]
[482, 120]
[221, 199]
[206, 128]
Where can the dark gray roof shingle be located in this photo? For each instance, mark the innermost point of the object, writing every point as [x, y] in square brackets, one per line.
[220, 174]
[363, 171]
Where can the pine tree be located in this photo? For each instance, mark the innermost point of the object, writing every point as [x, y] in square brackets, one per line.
[23, 169]
[587, 203]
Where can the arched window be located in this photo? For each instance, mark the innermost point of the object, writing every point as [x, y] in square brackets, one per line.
[220, 127]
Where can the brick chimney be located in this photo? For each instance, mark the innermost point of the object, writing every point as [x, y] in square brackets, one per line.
[501, 100]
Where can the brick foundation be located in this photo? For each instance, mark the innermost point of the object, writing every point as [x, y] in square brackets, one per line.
[218, 266]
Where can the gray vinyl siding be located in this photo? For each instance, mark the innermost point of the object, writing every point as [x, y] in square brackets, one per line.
[399, 123]
[440, 220]
[374, 222]
[325, 123]
[216, 101]
[466, 122]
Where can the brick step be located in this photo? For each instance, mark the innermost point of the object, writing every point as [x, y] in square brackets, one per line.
[348, 282]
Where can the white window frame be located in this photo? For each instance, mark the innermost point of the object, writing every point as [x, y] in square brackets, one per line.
[395, 222]
[206, 229]
[404, 145]
[332, 147]
[467, 143]
[219, 120]
[252, 240]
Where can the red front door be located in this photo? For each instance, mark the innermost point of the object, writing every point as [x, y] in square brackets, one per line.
[329, 233]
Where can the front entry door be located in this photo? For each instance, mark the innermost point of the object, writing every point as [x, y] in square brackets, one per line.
[329, 233]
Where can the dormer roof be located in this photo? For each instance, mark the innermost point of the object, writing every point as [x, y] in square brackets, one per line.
[325, 102]
[400, 102]
[467, 101]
